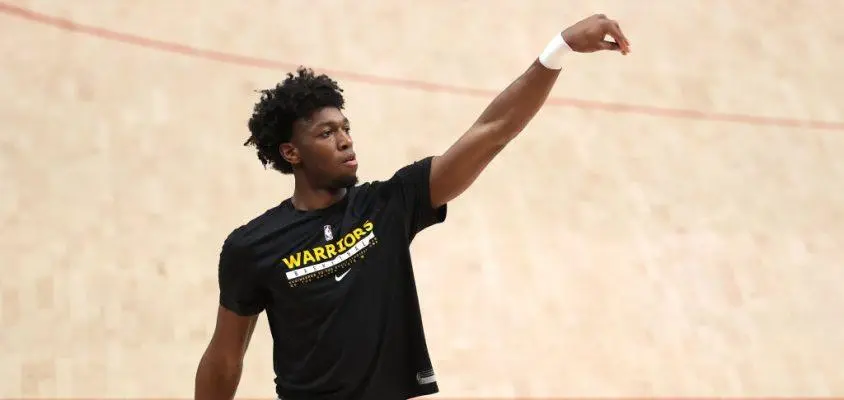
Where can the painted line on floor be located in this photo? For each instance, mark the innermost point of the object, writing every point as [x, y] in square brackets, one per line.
[256, 62]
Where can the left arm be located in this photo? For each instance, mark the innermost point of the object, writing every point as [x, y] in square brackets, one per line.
[510, 112]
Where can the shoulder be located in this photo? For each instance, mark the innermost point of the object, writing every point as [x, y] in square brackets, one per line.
[418, 171]
[250, 232]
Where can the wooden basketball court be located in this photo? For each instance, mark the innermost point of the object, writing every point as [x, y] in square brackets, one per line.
[671, 224]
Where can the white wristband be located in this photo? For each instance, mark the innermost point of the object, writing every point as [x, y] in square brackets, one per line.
[552, 56]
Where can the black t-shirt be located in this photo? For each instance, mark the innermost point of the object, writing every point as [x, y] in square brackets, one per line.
[338, 288]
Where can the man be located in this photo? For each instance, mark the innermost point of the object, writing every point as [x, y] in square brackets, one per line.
[331, 264]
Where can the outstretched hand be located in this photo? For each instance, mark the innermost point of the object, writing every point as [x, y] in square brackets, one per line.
[589, 35]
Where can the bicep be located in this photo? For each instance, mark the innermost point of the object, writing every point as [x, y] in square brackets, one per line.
[232, 333]
[456, 169]
[242, 290]
[220, 367]
[410, 186]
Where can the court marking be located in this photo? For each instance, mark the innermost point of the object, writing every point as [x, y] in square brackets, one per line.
[230, 58]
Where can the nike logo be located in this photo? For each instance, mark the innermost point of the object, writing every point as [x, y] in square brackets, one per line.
[340, 277]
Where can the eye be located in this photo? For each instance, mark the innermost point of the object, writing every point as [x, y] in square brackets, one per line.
[325, 134]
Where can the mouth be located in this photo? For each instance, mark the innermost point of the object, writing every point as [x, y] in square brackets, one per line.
[350, 160]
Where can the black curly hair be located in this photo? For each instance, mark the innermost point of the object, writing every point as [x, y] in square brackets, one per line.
[298, 96]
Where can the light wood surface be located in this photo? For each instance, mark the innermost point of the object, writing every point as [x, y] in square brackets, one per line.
[667, 226]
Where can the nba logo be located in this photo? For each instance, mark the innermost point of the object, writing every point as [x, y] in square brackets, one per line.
[327, 231]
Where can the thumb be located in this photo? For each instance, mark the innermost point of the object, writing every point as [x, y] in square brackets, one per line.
[608, 45]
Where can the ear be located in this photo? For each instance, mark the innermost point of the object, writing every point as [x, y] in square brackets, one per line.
[290, 153]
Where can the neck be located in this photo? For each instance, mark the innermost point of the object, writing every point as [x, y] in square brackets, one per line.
[307, 197]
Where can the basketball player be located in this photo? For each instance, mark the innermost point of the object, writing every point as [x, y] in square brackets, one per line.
[330, 265]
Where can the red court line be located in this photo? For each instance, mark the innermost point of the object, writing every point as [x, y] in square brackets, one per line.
[230, 58]
[470, 398]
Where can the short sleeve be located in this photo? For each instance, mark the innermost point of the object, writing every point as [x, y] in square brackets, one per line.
[412, 183]
[240, 289]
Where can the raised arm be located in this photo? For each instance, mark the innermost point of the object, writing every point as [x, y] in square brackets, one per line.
[510, 112]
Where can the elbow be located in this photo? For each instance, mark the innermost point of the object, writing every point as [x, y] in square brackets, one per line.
[220, 364]
[497, 133]
[217, 377]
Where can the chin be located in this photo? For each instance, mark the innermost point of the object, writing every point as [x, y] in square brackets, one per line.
[344, 181]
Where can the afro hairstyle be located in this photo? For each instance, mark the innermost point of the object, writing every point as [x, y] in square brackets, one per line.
[298, 96]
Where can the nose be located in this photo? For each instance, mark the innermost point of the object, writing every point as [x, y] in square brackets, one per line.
[344, 140]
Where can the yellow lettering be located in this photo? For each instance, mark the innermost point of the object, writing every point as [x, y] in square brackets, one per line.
[329, 250]
[293, 261]
[349, 240]
[319, 252]
[308, 257]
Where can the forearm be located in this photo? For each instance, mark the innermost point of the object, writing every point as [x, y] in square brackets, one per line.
[216, 379]
[504, 118]
[510, 112]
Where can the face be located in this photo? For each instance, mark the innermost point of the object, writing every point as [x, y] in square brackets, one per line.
[321, 148]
